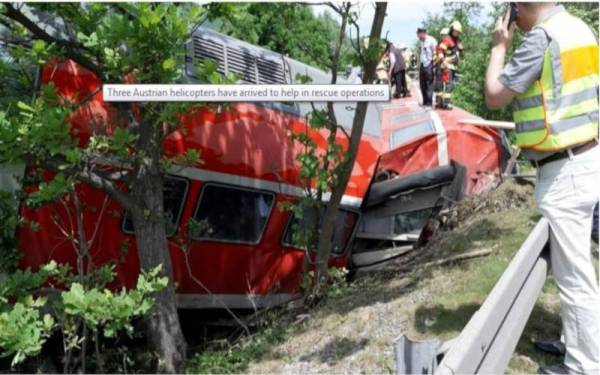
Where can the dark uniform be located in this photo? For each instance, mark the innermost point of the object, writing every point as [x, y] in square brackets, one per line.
[399, 72]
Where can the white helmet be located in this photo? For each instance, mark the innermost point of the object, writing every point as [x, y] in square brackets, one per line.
[456, 26]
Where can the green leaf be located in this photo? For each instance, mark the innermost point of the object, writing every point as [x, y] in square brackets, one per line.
[48, 322]
[38, 46]
[210, 66]
[25, 107]
[22, 332]
[73, 156]
[168, 64]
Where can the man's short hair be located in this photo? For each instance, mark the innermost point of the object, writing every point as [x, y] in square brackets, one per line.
[421, 30]
[536, 4]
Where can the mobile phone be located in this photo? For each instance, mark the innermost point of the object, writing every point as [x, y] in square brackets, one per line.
[514, 11]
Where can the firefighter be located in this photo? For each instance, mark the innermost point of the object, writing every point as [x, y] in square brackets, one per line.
[413, 61]
[452, 49]
[383, 66]
[443, 78]
[457, 47]
[552, 80]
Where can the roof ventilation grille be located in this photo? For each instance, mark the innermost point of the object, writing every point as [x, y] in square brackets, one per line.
[247, 65]
[209, 49]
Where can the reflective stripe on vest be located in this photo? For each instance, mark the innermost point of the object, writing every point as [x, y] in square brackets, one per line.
[561, 108]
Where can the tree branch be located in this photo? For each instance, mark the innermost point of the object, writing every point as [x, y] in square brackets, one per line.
[68, 47]
[94, 179]
[356, 44]
[343, 130]
[15, 42]
[119, 175]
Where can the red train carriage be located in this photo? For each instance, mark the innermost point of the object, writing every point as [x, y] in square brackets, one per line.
[243, 257]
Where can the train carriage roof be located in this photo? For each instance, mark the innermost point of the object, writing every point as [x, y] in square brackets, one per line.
[252, 64]
[257, 65]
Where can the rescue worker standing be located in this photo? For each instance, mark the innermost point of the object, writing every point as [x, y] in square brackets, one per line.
[446, 61]
[427, 51]
[383, 66]
[443, 76]
[407, 58]
[398, 71]
[552, 80]
[457, 47]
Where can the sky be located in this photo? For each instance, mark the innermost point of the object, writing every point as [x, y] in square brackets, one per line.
[403, 17]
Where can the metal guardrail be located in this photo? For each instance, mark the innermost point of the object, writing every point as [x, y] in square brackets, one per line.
[490, 337]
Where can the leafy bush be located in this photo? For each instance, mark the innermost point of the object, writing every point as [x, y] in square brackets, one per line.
[337, 284]
[95, 309]
[9, 255]
[23, 330]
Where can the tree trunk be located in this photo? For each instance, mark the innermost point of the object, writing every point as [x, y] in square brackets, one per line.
[328, 223]
[162, 325]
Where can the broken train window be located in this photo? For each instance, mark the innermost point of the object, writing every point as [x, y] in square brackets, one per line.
[174, 193]
[411, 222]
[298, 230]
[232, 214]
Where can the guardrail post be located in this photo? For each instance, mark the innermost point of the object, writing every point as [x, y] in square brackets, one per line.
[415, 356]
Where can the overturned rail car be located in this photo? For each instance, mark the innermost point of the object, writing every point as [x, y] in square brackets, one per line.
[245, 258]
[430, 161]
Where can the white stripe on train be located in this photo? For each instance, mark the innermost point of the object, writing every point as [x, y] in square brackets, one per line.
[255, 183]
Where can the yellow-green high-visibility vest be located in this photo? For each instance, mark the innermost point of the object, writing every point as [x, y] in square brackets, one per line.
[560, 109]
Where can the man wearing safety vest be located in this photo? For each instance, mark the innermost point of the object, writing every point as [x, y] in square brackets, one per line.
[552, 81]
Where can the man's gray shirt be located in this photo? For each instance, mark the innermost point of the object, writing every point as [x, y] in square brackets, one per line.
[525, 67]
[526, 64]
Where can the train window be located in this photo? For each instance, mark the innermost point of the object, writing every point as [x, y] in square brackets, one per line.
[411, 222]
[232, 214]
[174, 193]
[404, 135]
[298, 230]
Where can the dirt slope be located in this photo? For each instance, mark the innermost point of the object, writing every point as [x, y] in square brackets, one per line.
[354, 332]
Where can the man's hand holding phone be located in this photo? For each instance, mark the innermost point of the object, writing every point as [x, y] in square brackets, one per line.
[514, 12]
[504, 30]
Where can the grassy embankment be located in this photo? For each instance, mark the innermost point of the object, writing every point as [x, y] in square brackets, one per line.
[354, 331]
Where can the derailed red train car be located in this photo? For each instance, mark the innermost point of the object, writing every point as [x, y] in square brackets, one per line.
[431, 161]
[243, 258]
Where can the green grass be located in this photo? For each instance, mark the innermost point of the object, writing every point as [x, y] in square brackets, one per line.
[468, 285]
[222, 357]
[355, 330]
